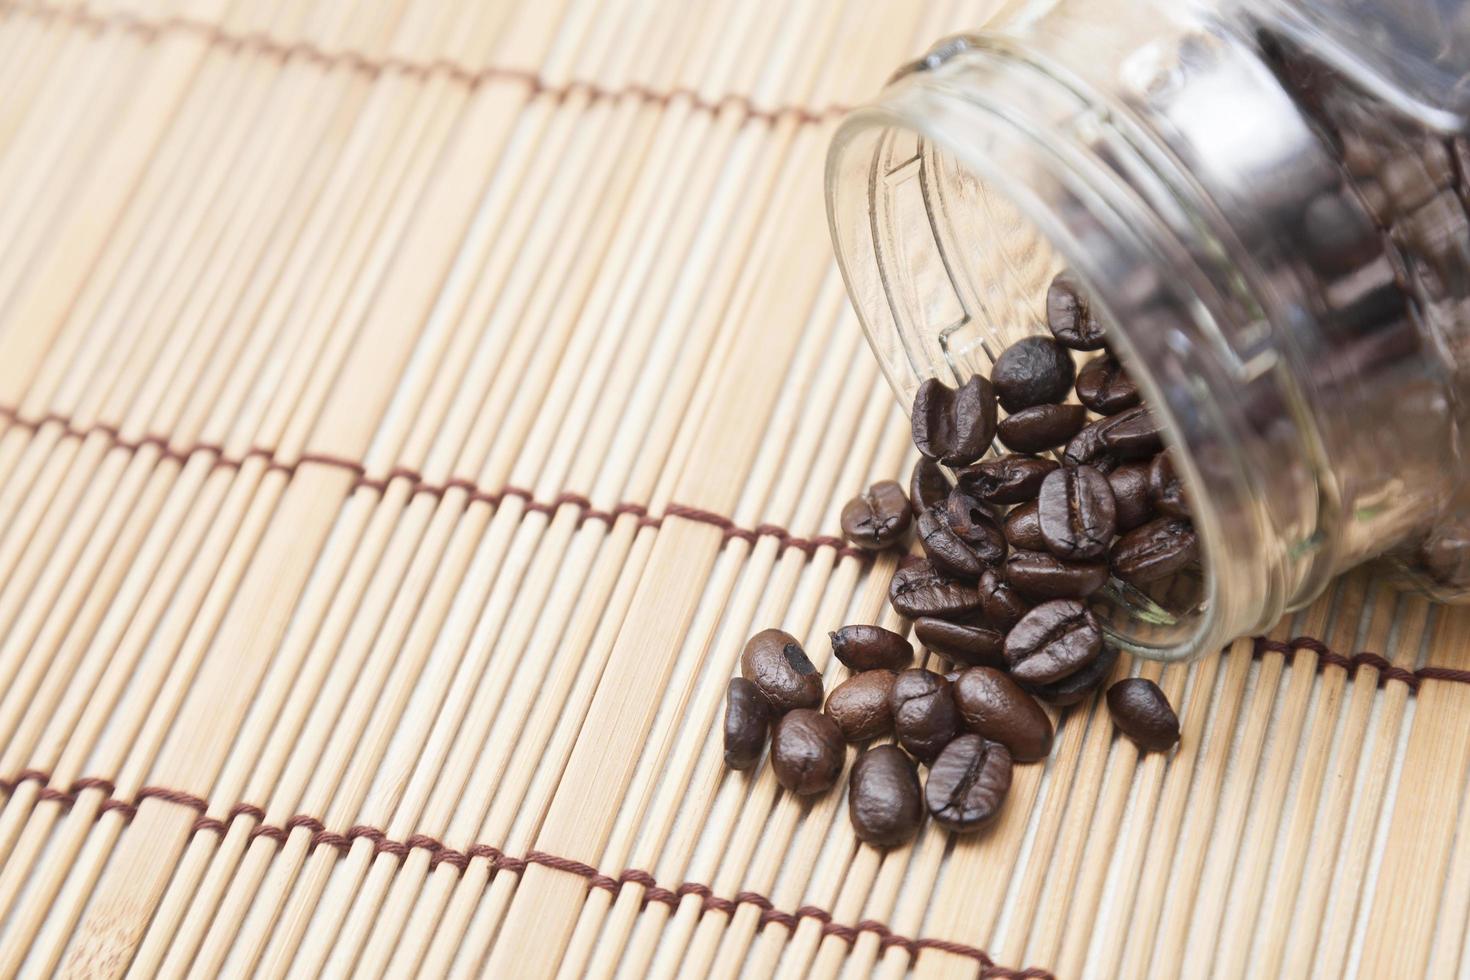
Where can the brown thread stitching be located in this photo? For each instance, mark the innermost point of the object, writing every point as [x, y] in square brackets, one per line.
[259, 42]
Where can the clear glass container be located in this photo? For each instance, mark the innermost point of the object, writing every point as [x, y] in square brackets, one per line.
[1266, 201]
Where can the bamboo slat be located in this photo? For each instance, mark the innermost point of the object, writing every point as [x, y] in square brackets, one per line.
[406, 413]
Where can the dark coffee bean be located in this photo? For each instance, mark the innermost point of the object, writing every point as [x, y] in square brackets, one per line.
[1155, 550]
[1104, 387]
[1023, 528]
[747, 719]
[944, 548]
[1032, 371]
[776, 664]
[1086, 447]
[975, 524]
[1077, 514]
[1132, 434]
[1009, 479]
[974, 643]
[871, 648]
[1000, 605]
[924, 714]
[878, 518]
[884, 800]
[861, 705]
[961, 538]
[1041, 427]
[1053, 640]
[928, 486]
[1042, 575]
[807, 752]
[993, 705]
[954, 426]
[1130, 495]
[1076, 686]
[1070, 316]
[1142, 712]
[968, 782]
[918, 589]
[1166, 488]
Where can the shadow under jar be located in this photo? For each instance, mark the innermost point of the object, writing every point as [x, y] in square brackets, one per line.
[1266, 204]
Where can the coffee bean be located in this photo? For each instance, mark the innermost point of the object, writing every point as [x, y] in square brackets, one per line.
[877, 519]
[961, 538]
[1023, 527]
[776, 664]
[1129, 483]
[1041, 427]
[944, 548]
[1000, 605]
[1086, 447]
[1155, 550]
[807, 752]
[884, 800]
[1070, 316]
[974, 643]
[861, 705]
[1032, 371]
[747, 719]
[1104, 387]
[924, 714]
[1166, 488]
[1076, 686]
[1142, 712]
[993, 705]
[871, 648]
[1053, 640]
[973, 521]
[1077, 514]
[1010, 479]
[1132, 434]
[928, 486]
[918, 589]
[954, 426]
[968, 782]
[1042, 575]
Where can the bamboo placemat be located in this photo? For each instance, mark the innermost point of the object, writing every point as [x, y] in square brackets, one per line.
[407, 410]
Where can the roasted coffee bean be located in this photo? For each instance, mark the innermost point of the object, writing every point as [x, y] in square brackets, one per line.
[747, 720]
[944, 548]
[1069, 315]
[1142, 712]
[918, 589]
[993, 705]
[1000, 605]
[878, 518]
[952, 426]
[1166, 488]
[975, 643]
[1076, 686]
[975, 524]
[1042, 575]
[968, 782]
[928, 486]
[1023, 527]
[961, 538]
[776, 664]
[807, 751]
[1133, 434]
[1129, 483]
[1032, 371]
[924, 714]
[1009, 479]
[1104, 387]
[1086, 447]
[1155, 550]
[1077, 514]
[1053, 640]
[1041, 427]
[861, 705]
[871, 648]
[884, 800]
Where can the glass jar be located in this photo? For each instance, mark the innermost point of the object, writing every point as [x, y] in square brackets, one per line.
[1266, 202]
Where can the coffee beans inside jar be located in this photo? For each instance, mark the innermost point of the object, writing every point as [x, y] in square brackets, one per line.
[1015, 549]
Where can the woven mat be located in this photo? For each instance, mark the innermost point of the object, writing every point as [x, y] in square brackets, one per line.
[408, 410]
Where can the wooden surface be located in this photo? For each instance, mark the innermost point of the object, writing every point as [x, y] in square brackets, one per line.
[406, 412]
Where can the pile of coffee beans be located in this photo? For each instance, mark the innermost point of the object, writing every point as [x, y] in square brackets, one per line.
[1013, 548]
